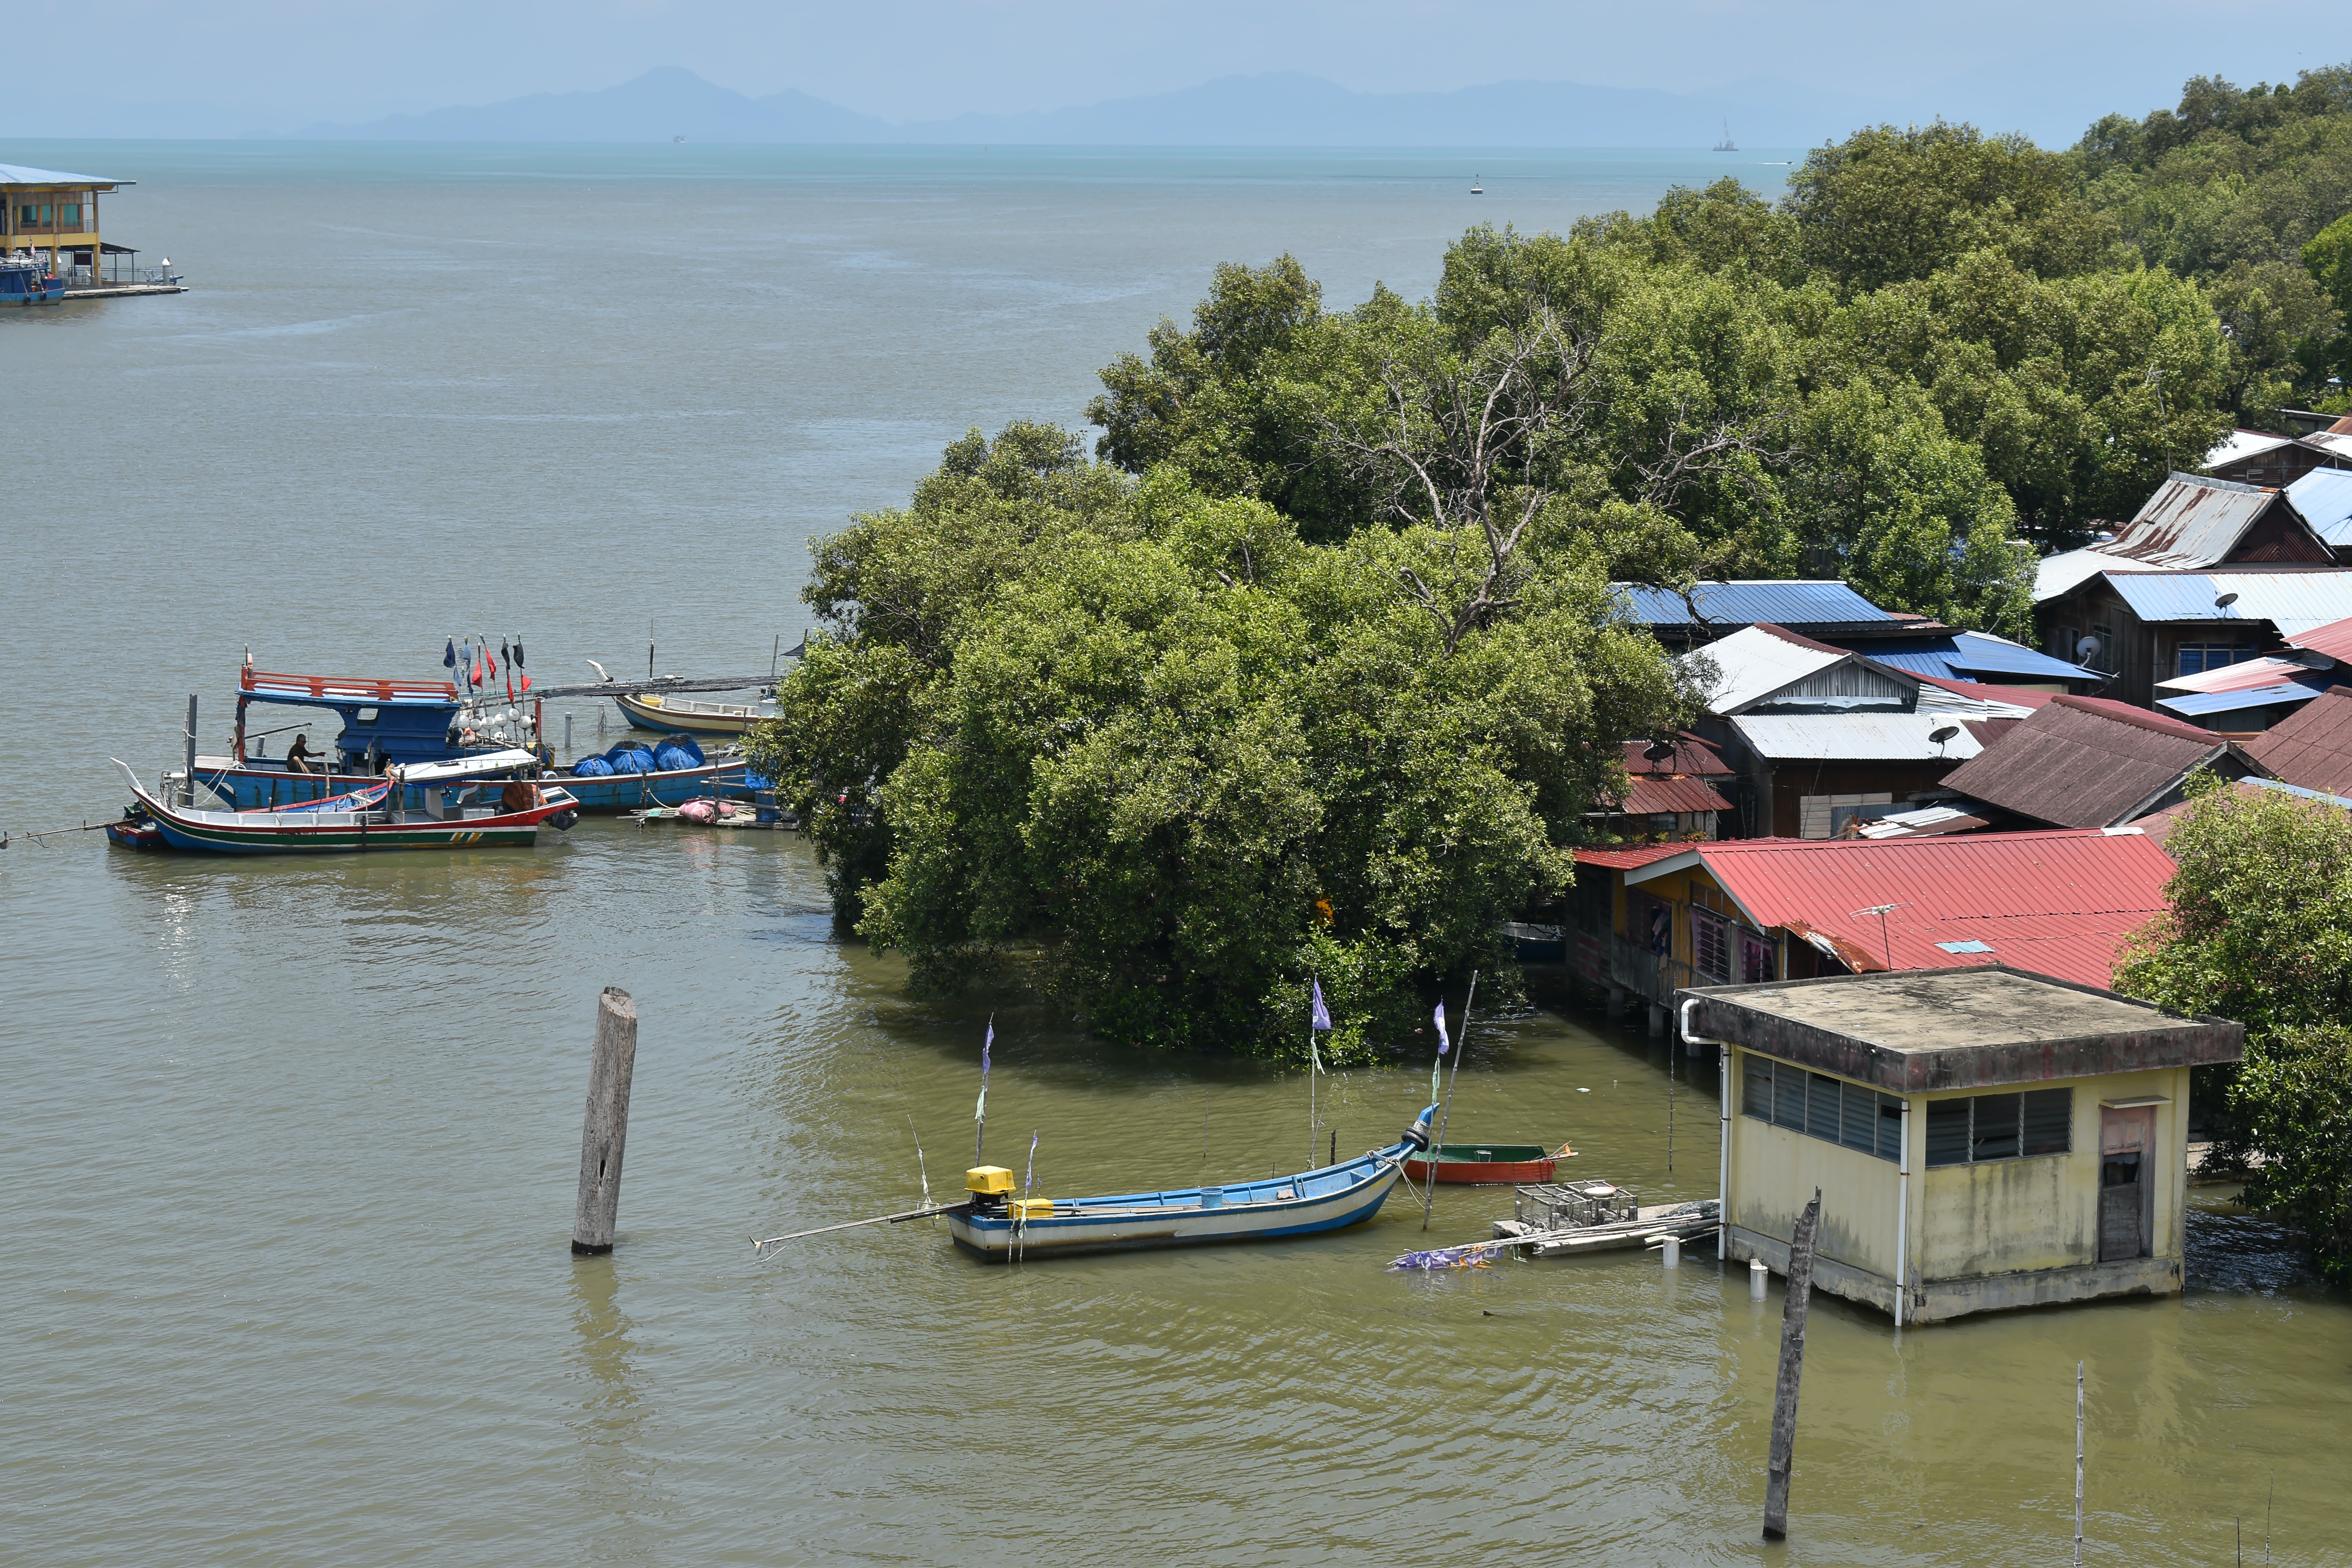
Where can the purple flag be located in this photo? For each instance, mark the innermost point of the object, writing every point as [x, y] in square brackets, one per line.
[1321, 1017]
[1444, 1043]
[984, 1045]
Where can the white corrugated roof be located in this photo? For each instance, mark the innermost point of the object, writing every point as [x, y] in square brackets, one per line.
[2240, 444]
[2057, 573]
[19, 174]
[1752, 664]
[1855, 737]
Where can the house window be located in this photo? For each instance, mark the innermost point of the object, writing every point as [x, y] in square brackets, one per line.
[1757, 960]
[2061, 643]
[2103, 657]
[2195, 657]
[2001, 1127]
[1820, 815]
[33, 216]
[69, 215]
[1819, 1106]
[1710, 945]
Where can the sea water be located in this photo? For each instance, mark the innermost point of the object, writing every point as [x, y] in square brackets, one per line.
[289, 1161]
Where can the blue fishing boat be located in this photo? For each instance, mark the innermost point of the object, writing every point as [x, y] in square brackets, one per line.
[389, 723]
[1001, 1227]
[26, 281]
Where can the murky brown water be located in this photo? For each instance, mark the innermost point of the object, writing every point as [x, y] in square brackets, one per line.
[291, 1151]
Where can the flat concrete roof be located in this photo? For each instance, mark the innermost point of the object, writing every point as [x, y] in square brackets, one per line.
[1917, 1031]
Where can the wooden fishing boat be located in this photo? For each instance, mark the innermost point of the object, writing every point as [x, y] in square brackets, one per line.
[135, 830]
[658, 711]
[361, 822]
[1488, 1165]
[1001, 1227]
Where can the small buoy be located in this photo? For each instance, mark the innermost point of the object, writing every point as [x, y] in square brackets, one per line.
[1757, 1275]
[1584, 1092]
[1672, 1253]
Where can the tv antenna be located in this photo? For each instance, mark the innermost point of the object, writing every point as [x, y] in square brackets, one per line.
[1885, 943]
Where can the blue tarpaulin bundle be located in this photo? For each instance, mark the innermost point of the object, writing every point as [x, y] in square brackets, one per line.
[671, 755]
[628, 758]
[591, 768]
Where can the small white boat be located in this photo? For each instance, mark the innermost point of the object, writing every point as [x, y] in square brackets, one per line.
[1475, 188]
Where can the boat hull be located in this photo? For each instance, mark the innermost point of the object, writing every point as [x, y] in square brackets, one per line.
[649, 714]
[344, 832]
[252, 789]
[1317, 1201]
[1485, 1173]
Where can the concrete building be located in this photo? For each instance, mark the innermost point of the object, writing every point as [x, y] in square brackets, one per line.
[1981, 1139]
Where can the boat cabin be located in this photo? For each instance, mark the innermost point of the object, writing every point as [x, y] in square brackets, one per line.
[1981, 1138]
[380, 722]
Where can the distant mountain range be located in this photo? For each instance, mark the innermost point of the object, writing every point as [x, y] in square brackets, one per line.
[1281, 109]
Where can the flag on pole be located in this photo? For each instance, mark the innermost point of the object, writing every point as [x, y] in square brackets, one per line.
[979, 1111]
[1444, 1044]
[450, 654]
[1321, 1016]
[1030, 1180]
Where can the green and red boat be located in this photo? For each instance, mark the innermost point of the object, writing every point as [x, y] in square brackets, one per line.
[1488, 1165]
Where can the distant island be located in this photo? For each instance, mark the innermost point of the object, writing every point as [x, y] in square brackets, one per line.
[1276, 110]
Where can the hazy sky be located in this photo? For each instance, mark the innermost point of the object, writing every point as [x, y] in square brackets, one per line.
[212, 67]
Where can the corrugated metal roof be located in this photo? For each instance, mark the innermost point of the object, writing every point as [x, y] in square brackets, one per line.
[2084, 762]
[1692, 756]
[2238, 699]
[2332, 640]
[1752, 664]
[2267, 670]
[2331, 440]
[1744, 602]
[2241, 444]
[2056, 903]
[2189, 521]
[2070, 569]
[1984, 693]
[2324, 496]
[1958, 655]
[1631, 859]
[2293, 602]
[1649, 797]
[19, 174]
[2311, 747]
[1855, 737]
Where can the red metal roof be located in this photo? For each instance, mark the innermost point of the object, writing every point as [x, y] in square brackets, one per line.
[2311, 747]
[2017, 696]
[2058, 904]
[1651, 796]
[2334, 639]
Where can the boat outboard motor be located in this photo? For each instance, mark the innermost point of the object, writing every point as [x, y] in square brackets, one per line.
[990, 1186]
[1417, 1135]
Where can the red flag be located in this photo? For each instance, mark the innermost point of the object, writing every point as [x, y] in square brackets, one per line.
[491, 662]
[526, 683]
[477, 672]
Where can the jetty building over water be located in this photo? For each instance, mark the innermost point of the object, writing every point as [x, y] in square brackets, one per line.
[51, 215]
[1981, 1138]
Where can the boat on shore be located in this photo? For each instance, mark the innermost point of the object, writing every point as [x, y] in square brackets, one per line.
[660, 710]
[1488, 1165]
[1000, 1228]
[362, 820]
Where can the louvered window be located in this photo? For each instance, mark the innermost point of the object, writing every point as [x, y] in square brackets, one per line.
[1821, 1106]
[2000, 1126]
[1710, 945]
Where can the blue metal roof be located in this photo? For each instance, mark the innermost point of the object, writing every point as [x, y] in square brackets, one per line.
[1969, 655]
[2285, 788]
[2324, 496]
[1747, 602]
[18, 175]
[2292, 601]
[2196, 704]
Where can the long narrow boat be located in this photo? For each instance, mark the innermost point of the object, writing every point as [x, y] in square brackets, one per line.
[1001, 1227]
[353, 823]
[1487, 1164]
[657, 710]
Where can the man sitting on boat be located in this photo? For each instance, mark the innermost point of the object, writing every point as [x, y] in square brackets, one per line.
[298, 756]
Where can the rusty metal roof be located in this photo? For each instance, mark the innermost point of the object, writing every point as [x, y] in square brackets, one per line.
[2053, 903]
[2085, 762]
[2191, 521]
[1692, 756]
[1649, 797]
[2311, 747]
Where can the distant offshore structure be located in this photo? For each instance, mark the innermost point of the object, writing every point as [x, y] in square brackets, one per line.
[1726, 145]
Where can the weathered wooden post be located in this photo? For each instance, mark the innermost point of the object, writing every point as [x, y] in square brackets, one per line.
[188, 798]
[1792, 1367]
[605, 1132]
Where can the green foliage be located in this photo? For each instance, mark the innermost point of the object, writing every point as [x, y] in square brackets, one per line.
[1182, 758]
[2234, 189]
[1893, 206]
[2259, 929]
[2295, 1094]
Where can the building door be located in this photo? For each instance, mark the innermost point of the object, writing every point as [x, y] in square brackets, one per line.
[2127, 1180]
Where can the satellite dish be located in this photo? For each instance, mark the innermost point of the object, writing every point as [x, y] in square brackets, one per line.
[2225, 601]
[1659, 751]
[2086, 647]
[1944, 733]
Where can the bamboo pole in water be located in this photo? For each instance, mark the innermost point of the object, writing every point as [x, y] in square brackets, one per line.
[1793, 1369]
[604, 1131]
[1429, 1181]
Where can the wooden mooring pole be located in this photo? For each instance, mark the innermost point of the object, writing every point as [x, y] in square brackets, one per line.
[1793, 1368]
[606, 1131]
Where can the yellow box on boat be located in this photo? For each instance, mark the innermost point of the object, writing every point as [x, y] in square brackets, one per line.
[988, 1179]
[1032, 1208]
